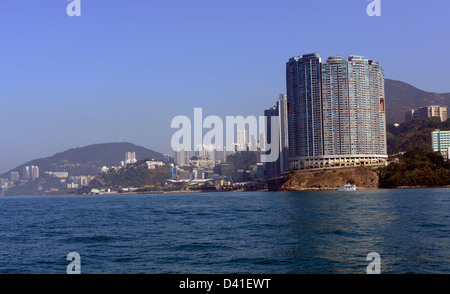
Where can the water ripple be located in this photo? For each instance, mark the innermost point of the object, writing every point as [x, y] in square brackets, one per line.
[252, 232]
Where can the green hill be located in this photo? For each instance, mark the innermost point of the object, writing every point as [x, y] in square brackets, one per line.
[88, 160]
[401, 97]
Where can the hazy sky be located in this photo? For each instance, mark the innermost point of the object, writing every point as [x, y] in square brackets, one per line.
[124, 68]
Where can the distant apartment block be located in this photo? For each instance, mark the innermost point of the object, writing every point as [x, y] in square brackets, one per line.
[281, 165]
[72, 186]
[26, 173]
[426, 112]
[208, 155]
[30, 172]
[181, 157]
[173, 172]
[76, 182]
[14, 176]
[34, 172]
[440, 141]
[130, 157]
[242, 140]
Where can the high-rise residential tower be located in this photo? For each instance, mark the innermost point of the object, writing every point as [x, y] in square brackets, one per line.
[242, 140]
[336, 111]
[14, 176]
[284, 135]
[34, 172]
[26, 173]
[130, 157]
[274, 169]
[303, 81]
[30, 172]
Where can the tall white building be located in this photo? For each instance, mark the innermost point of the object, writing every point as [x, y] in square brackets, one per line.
[282, 106]
[14, 176]
[30, 172]
[34, 172]
[26, 173]
[274, 169]
[130, 157]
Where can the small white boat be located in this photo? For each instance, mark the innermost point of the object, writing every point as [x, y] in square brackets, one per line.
[347, 187]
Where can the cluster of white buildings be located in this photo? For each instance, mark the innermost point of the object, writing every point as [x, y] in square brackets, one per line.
[29, 173]
[4, 184]
[154, 164]
[76, 182]
[209, 165]
[202, 164]
[130, 158]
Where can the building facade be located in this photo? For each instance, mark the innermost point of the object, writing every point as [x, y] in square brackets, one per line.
[242, 140]
[272, 168]
[440, 141]
[427, 111]
[30, 172]
[181, 157]
[336, 111]
[281, 165]
[282, 106]
[14, 176]
[34, 172]
[130, 157]
[26, 173]
[303, 84]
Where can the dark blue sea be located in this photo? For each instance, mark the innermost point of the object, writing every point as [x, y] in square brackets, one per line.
[224, 233]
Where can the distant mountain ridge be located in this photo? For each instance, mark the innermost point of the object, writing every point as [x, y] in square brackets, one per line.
[401, 97]
[88, 160]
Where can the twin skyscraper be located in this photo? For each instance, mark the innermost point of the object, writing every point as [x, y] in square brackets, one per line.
[335, 111]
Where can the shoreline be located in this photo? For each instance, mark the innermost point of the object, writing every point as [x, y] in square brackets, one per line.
[379, 188]
[232, 191]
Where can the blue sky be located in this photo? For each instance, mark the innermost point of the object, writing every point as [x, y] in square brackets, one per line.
[123, 69]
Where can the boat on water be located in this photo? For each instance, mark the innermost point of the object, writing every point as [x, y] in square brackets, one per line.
[347, 187]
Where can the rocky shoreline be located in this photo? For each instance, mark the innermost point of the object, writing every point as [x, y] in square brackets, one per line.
[319, 180]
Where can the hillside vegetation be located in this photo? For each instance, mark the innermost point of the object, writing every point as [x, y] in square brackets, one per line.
[417, 167]
[414, 134]
[133, 175]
